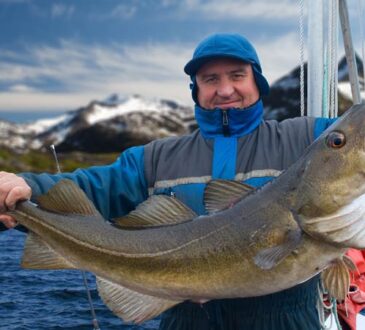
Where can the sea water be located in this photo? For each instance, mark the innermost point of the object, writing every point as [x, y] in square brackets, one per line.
[48, 300]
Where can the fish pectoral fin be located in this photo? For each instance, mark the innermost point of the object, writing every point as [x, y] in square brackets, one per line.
[158, 210]
[38, 255]
[66, 197]
[349, 263]
[222, 194]
[271, 257]
[130, 305]
[336, 279]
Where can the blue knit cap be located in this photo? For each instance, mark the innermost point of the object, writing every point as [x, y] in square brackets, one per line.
[225, 45]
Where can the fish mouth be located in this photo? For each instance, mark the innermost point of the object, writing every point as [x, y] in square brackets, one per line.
[345, 227]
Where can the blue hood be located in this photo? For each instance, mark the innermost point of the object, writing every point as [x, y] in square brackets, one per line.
[225, 45]
[231, 122]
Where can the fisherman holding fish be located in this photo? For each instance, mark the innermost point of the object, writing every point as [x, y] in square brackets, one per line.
[233, 142]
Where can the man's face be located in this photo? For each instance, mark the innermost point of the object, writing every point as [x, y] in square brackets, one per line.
[226, 83]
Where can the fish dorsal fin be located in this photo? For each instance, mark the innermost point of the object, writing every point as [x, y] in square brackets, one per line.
[130, 305]
[158, 210]
[336, 279]
[222, 194]
[38, 255]
[66, 197]
[269, 258]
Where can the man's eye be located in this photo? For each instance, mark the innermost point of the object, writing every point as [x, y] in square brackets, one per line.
[210, 80]
[238, 76]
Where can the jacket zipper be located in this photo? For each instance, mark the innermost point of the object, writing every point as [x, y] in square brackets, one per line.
[225, 123]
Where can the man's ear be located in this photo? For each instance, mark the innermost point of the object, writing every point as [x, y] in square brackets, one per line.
[194, 89]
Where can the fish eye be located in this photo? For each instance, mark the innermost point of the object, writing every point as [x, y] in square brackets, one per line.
[336, 140]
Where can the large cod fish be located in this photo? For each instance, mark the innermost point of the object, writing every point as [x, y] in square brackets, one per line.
[252, 242]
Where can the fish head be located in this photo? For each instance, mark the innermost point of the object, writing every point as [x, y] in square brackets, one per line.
[330, 189]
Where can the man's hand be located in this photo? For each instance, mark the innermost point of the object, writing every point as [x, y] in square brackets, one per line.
[13, 188]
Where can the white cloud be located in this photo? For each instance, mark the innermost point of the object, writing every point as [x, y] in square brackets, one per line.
[42, 101]
[21, 88]
[278, 56]
[92, 72]
[168, 3]
[86, 72]
[264, 9]
[123, 11]
[59, 9]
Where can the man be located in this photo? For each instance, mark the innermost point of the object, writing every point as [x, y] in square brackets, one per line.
[233, 142]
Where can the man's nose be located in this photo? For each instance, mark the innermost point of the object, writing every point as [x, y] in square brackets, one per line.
[225, 89]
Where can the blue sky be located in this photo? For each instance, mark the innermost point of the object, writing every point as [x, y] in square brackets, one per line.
[59, 55]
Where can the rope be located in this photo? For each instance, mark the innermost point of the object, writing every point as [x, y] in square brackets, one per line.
[335, 78]
[333, 45]
[323, 308]
[335, 314]
[330, 59]
[327, 73]
[361, 15]
[301, 50]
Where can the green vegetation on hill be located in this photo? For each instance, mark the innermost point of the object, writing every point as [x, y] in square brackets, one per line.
[36, 161]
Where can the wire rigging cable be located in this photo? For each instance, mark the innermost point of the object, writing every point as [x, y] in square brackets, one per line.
[332, 46]
[361, 13]
[301, 50]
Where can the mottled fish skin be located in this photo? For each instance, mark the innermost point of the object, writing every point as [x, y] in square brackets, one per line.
[269, 240]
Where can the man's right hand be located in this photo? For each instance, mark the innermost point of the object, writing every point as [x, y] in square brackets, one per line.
[13, 188]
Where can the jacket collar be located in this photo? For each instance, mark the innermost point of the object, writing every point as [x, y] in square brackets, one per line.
[231, 122]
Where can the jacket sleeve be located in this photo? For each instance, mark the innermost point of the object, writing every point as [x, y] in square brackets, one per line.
[115, 189]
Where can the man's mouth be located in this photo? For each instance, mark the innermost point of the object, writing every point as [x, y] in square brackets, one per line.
[229, 104]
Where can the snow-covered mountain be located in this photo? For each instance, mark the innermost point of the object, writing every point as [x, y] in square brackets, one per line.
[284, 99]
[110, 125]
